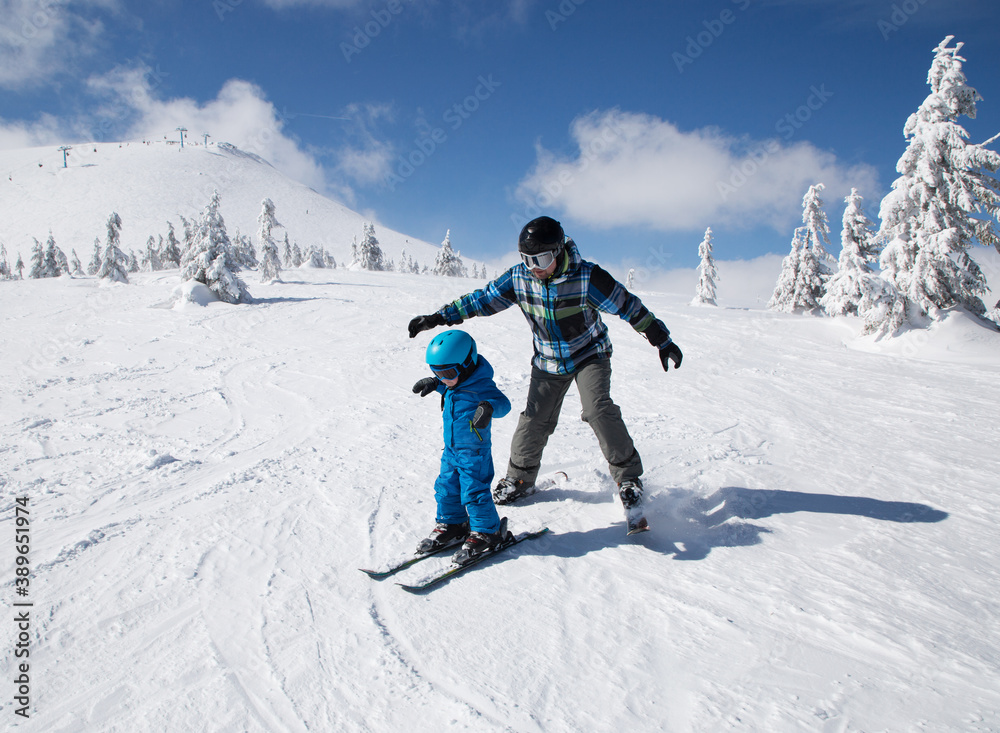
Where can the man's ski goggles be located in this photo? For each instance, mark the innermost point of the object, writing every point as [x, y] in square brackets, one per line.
[446, 372]
[540, 261]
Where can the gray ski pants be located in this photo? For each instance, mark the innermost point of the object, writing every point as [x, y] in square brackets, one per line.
[541, 415]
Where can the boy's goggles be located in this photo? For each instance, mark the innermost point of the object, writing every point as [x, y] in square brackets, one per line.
[540, 261]
[449, 371]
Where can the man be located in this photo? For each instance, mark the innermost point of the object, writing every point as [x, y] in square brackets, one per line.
[561, 296]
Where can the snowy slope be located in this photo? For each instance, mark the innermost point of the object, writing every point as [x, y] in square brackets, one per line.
[205, 481]
[151, 184]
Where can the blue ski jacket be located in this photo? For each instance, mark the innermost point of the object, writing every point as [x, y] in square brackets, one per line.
[459, 405]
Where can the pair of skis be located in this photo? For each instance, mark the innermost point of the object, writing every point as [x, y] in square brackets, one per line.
[635, 522]
[451, 570]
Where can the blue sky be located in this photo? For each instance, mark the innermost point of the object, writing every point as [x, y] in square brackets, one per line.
[637, 124]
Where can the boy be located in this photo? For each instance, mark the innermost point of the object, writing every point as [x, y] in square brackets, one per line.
[470, 398]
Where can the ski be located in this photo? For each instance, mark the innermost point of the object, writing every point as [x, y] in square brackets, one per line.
[452, 570]
[408, 561]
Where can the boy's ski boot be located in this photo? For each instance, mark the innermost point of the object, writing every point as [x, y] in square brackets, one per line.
[509, 490]
[442, 536]
[479, 543]
[630, 491]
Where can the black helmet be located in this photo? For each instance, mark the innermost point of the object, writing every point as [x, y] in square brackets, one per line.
[543, 234]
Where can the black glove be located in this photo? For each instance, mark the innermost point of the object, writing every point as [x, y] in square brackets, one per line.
[670, 352]
[484, 411]
[425, 386]
[425, 323]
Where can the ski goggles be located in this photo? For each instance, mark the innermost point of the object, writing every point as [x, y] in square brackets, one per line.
[450, 371]
[540, 261]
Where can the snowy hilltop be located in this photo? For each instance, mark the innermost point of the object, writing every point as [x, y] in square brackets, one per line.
[202, 483]
[149, 184]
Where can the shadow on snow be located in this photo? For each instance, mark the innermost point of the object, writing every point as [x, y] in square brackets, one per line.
[688, 525]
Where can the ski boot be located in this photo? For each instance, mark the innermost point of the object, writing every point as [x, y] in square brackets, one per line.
[479, 543]
[630, 491]
[442, 536]
[509, 490]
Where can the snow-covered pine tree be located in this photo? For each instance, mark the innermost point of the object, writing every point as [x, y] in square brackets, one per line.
[707, 274]
[151, 257]
[243, 252]
[37, 269]
[329, 260]
[804, 271]
[113, 260]
[799, 285]
[95, 261]
[189, 228]
[297, 257]
[270, 264]
[75, 266]
[51, 266]
[170, 256]
[944, 200]
[133, 262]
[856, 289]
[287, 256]
[208, 261]
[448, 263]
[314, 258]
[368, 255]
[19, 267]
[818, 230]
[4, 265]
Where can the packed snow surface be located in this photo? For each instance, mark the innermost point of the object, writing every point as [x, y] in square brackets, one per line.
[205, 480]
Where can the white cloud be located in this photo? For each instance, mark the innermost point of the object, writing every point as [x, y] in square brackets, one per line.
[15, 135]
[39, 40]
[240, 115]
[636, 169]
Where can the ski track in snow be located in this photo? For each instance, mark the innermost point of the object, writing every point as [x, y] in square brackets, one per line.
[206, 481]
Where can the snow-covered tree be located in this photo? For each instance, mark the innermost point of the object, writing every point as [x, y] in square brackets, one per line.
[209, 260]
[329, 260]
[707, 274]
[805, 270]
[95, 261]
[448, 263]
[52, 266]
[270, 264]
[314, 258]
[243, 252]
[368, 255]
[288, 256]
[37, 269]
[151, 257]
[5, 272]
[19, 267]
[170, 255]
[943, 201]
[189, 228]
[113, 260]
[856, 289]
[799, 285]
[133, 262]
[75, 267]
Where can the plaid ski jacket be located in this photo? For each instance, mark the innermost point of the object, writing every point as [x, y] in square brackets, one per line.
[564, 311]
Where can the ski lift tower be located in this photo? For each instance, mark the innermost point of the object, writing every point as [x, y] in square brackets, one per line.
[64, 150]
[182, 130]
[206, 136]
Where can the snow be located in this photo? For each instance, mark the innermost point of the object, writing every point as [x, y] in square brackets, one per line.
[205, 481]
[149, 184]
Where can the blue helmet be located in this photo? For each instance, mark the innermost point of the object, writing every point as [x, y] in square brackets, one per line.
[452, 354]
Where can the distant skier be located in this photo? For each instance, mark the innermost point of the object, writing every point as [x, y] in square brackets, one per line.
[470, 399]
[561, 295]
